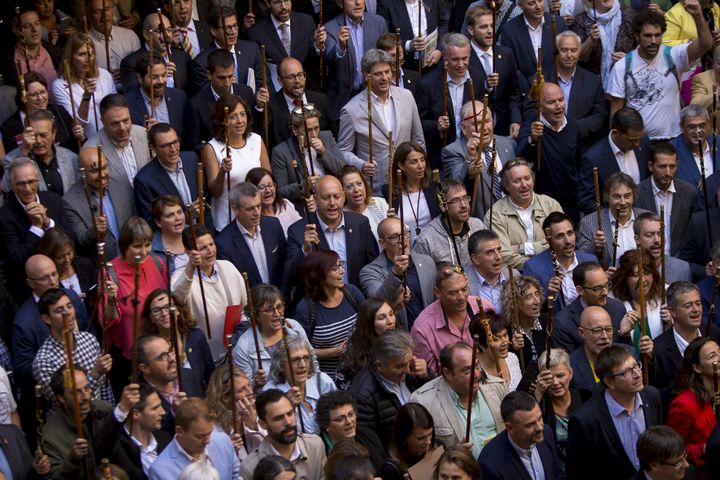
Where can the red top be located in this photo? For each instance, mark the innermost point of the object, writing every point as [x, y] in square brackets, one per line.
[693, 420]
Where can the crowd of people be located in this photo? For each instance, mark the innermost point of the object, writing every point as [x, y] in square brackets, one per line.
[360, 239]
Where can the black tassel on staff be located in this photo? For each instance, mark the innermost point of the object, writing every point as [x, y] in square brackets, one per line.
[616, 239]
[398, 52]
[291, 380]
[549, 329]
[193, 241]
[703, 186]
[442, 200]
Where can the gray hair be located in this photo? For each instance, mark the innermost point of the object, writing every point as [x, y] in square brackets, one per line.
[558, 356]
[373, 56]
[42, 114]
[568, 33]
[242, 190]
[454, 39]
[279, 359]
[199, 470]
[18, 163]
[679, 288]
[392, 345]
[467, 109]
[517, 162]
[693, 110]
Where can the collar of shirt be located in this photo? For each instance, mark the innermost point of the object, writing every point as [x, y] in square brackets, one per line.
[569, 80]
[213, 277]
[462, 81]
[657, 191]
[614, 222]
[615, 149]
[378, 101]
[547, 124]
[479, 51]
[178, 168]
[521, 209]
[296, 454]
[99, 36]
[152, 446]
[191, 26]
[350, 23]
[289, 100]
[483, 281]
[190, 458]
[119, 147]
[522, 452]
[542, 22]
[571, 267]
[164, 54]
[681, 342]
[325, 228]
[37, 200]
[277, 24]
[246, 233]
[232, 50]
[616, 409]
[215, 95]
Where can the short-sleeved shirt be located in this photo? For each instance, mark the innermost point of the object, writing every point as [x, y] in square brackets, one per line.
[652, 89]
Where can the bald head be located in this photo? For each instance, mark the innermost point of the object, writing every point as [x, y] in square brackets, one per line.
[330, 198]
[88, 159]
[596, 329]
[592, 315]
[41, 274]
[552, 105]
[550, 89]
[292, 77]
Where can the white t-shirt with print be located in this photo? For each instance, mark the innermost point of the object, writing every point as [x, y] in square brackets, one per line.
[7, 402]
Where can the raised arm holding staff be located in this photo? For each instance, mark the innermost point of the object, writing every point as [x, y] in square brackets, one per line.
[66, 66]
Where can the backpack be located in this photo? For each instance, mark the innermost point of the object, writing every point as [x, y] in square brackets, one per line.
[668, 61]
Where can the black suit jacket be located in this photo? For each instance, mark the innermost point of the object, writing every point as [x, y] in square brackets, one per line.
[279, 116]
[114, 443]
[696, 249]
[247, 56]
[601, 156]
[594, 450]
[515, 35]
[175, 99]
[15, 448]
[182, 61]
[153, 181]
[505, 99]
[198, 123]
[587, 104]
[191, 385]
[499, 460]
[567, 321]
[13, 127]
[396, 16]
[302, 27]
[232, 246]
[411, 80]
[203, 33]
[583, 378]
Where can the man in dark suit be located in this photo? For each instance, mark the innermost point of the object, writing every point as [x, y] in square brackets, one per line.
[83, 220]
[603, 433]
[343, 53]
[648, 237]
[221, 72]
[253, 243]
[248, 62]
[695, 128]
[494, 71]
[196, 31]
[178, 63]
[524, 432]
[24, 218]
[626, 149]
[524, 34]
[592, 285]
[169, 102]
[291, 95]
[142, 403]
[287, 34]
[171, 172]
[351, 236]
[679, 197]
[696, 248]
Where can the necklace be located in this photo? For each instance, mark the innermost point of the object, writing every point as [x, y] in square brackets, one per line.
[415, 215]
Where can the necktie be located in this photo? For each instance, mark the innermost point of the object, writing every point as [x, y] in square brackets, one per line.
[487, 65]
[187, 46]
[497, 187]
[285, 36]
[297, 102]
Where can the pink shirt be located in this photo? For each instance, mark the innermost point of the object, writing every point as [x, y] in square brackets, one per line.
[41, 64]
[120, 332]
[431, 332]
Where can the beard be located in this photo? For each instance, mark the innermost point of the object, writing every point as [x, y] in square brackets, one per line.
[287, 436]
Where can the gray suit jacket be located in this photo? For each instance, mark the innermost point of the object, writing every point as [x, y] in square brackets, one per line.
[588, 227]
[353, 134]
[67, 166]
[685, 202]
[677, 270]
[119, 183]
[455, 165]
[290, 181]
[376, 280]
[78, 218]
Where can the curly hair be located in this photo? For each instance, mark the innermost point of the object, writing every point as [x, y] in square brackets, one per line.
[279, 359]
[497, 322]
[522, 285]
[627, 267]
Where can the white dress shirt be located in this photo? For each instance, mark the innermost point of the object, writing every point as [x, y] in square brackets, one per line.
[627, 161]
[664, 198]
[386, 109]
[257, 247]
[535, 35]
[626, 236]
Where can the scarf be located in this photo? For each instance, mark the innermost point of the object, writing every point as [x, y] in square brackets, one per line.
[609, 23]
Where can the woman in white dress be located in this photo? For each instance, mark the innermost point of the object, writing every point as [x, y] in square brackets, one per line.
[356, 185]
[90, 84]
[246, 152]
[273, 205]
[508, 361]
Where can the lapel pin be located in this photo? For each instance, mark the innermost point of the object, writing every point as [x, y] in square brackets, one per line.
[349, 230]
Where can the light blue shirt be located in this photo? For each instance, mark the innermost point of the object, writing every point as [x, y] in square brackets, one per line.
[357, 37]
[109, 211]
[336, 241]
[161, 111]
[177, 177]
[319, 384]
[5, 465]
[482, 423]
[566, 87]
[491, 292]
[456, 91]
[400, 390]
[531, 460]
[629, 425]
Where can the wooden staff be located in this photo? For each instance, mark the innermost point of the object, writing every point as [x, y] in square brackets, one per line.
[152, 90]
[402, 218]
[516, 313]
[251, 316]
[105, 463]
[703, 184]
[616, 239]
[471, 395]
[101, 293]
[175, 340]
[88, 199]
[390, 167]
[163, 32]
[711, 309]
[103, 19]
[643, 308]
[598, 209]
[136, 315]
[266, 123]
[291, 372]
[536, 93]
[201, 193]
[101, 187]
[548, 340]
[228, 154]
[398, 52]
[250, 2]
[321, 45]
[66, 66]
[39, 419]
[308, 147]
[716, 389]
[70, 374]
[420, 34]
[84, 25]
[662, 254]
[714, 126]
[370, 129]
[556, 267]
[443, 134]
[442, 201]
[236, 420]
[553, 18]
[306, 185]
[489, 335]
[478, 152]
[193, 241]
[23, 93]
[491, 172]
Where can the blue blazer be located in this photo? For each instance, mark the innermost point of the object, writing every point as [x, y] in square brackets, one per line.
[540, 266]
[583, 378]
[515, 35]
[232, 246]
[687, 168]
[175, 99]
[601, 156]
[198, 354]
[500, 461]
[152, 181]
[170, 463]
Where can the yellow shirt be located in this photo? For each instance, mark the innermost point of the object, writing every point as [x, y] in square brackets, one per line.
[681, 26]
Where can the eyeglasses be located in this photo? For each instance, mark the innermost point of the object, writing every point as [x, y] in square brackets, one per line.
[46, 278]
[237, 116]
[157, 311]
[296, 360]
[164, 357]
[267, 188]
[393, 238]
[29, 183]
[233, 27]
[340, 266]
[597, 288]
[597, 331]
[456, 202]
[166, 146]
[679, 464]
[628, 373]
[279, 308]
[42, 93]
[294, 76]
[349, 417]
